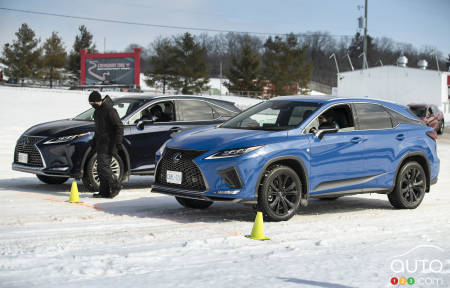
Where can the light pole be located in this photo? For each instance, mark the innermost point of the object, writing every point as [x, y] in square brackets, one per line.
[365, 36]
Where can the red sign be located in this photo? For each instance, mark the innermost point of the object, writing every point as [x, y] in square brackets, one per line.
[117, 66]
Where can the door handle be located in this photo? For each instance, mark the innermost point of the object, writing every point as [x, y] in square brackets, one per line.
[175, 129]
[400, 137]
[357, 140]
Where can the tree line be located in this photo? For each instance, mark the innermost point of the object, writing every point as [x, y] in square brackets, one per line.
[280, 65]
[25, 58]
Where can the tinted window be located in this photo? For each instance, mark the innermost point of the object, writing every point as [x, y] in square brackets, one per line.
[193, 110]
[419, 111]
[372, 116]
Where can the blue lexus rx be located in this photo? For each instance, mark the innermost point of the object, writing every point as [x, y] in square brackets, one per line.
[281, 152]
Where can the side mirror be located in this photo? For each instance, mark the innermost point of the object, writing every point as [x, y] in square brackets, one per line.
[141, 123]
[320, 133]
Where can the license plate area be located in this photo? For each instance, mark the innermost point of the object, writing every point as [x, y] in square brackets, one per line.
[23, 158]
[174, 177]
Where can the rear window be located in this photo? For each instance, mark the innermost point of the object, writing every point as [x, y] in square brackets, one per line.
[419, 111]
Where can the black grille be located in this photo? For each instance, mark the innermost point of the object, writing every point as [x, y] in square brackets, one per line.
[192, 177]
[26, 145]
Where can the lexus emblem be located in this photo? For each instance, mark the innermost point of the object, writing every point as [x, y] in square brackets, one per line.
[176, 157]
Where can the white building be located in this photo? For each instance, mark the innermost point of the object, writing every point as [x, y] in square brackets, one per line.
[403, 85]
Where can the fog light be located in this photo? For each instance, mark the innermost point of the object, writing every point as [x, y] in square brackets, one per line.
[228, 192]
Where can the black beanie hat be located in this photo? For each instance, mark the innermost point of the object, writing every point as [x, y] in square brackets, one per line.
[95, 97]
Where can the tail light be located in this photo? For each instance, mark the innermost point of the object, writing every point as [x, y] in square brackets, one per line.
[432, 135]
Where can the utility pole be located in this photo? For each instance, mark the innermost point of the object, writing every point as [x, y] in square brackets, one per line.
[220, 77]
[365, 36]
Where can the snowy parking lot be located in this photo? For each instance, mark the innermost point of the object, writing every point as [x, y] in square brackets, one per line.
[140, 239]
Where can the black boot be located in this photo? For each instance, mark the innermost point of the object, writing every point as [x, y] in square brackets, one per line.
[115, 187]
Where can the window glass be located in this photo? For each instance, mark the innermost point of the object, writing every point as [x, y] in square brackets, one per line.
[435, 109]
[340, 115]
[419, 111]
[221, 112]
[273, 115]
[159, 112]
[372, 116]
[124, 108]
[193, 110]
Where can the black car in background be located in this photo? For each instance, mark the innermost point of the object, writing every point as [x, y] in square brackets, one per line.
[58, 150]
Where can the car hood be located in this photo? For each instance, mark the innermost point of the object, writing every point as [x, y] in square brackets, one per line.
[64, 127]
[211, 138]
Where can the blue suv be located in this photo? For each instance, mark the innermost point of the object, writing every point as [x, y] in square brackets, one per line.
[281, 152]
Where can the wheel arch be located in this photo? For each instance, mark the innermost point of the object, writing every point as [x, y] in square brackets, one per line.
[290, 161]
[420, 158]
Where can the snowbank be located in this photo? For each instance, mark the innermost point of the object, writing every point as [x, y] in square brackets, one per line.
[141, 239]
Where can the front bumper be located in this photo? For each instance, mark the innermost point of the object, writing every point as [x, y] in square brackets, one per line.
[58, 160]
[229, 179]
[42, 171]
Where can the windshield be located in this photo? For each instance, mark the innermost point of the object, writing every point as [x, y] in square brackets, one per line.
[419, 111]
[273, 115]
[124, 108]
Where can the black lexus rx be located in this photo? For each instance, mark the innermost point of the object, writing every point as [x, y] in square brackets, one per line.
[58, 150]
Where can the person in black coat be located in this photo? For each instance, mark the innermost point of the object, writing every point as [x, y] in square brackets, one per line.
[107, 140]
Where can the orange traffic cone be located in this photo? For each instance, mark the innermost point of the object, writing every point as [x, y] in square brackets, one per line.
[74, 197]
[258, 228]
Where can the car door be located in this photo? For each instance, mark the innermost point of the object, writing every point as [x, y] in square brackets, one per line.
[144, 140]
[337, 159]
[382, 142]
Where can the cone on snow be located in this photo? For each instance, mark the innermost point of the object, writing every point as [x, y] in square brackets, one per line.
[258, 228]
[74, 197]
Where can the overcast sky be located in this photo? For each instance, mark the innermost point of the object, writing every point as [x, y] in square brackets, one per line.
[419, 22]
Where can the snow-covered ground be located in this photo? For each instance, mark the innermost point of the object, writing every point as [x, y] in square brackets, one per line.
[139, 239]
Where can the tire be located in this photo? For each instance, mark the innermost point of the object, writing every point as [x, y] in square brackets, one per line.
[410, 187]
[90, 177]
[52, 179]
[280, 193]
[328, 198]
[441, 127]
[193, 203]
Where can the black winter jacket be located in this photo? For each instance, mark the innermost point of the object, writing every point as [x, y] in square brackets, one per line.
[108, 128]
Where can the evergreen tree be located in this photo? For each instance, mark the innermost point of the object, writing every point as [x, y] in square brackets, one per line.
[245, 71]
[285, 66]
[356, 48]
[162, 64]
[54, 58]
[82, 41]
[23, 56]
[191, 71]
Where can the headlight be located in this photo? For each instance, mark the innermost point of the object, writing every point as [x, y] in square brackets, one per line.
[64, 139]
[162, 148]
[232, 152]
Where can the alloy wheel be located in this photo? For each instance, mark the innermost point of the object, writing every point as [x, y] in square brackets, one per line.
[412, 185]
[115, 167]
[283, 194]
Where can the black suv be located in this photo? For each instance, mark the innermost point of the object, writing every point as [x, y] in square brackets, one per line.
[58, 150]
